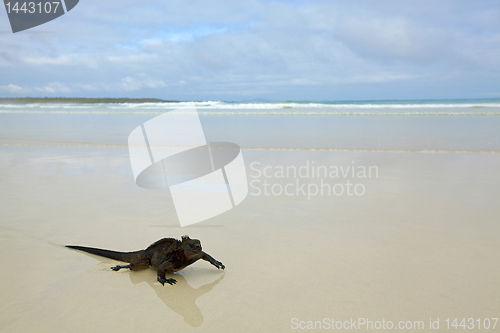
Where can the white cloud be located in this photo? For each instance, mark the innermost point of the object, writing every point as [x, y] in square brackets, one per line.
[54, 87]
[62, 60]
[393, 38]
[130, 84]
[13, 89]
[131, 58]
[379, 78]
[89, 87]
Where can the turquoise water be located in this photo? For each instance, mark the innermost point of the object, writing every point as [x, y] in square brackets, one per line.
[488, 107]
[410, 125]
[424, 102]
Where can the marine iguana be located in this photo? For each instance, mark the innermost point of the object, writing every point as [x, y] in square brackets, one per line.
[168, 255]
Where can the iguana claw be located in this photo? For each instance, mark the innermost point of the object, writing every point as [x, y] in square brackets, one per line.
[169, 281]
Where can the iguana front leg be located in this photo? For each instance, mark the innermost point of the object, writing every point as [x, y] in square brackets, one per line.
[211, 260]
[165, 267]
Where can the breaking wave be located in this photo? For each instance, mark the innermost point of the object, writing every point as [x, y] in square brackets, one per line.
[388, 108]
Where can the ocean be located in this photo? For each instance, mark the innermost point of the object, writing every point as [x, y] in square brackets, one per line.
[385, 107]
[412, 126]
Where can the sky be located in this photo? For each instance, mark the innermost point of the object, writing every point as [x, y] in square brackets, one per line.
[258, 50]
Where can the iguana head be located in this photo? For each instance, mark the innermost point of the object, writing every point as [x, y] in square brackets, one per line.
[192, 247]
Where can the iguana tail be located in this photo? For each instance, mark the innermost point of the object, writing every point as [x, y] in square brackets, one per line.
[120, 256]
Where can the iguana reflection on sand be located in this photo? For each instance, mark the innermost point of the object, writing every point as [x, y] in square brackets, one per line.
[168, 255]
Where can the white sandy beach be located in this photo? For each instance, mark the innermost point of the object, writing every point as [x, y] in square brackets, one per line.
[421, 243]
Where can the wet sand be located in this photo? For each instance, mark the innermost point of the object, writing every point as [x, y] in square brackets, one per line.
[420, 243]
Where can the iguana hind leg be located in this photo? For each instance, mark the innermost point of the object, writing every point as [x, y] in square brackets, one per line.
[118, 267]
[134, 265]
